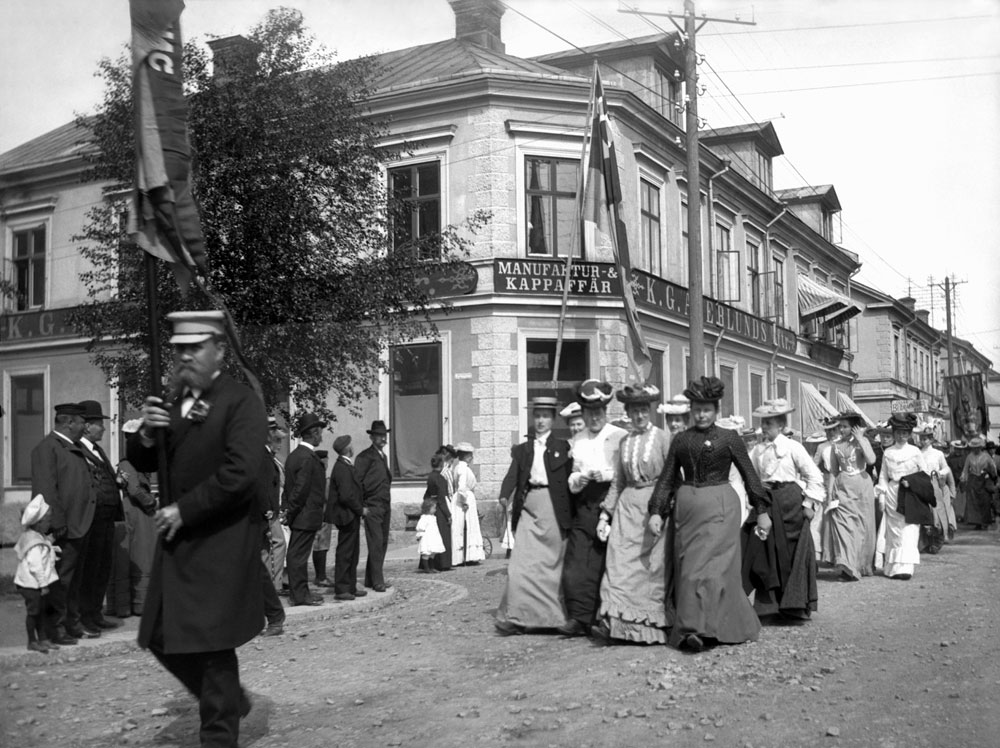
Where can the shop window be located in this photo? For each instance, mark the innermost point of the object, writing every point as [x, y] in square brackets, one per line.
[756, 390]
[27, 423]
[29, 268]
[574, 367]
[649, 212]
[416, 408]
[728, 405]
[551, 205]
[415, 207]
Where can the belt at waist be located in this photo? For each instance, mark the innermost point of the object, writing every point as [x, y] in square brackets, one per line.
[643, 483]
[779, 483]
[706, 484]
[535, 486]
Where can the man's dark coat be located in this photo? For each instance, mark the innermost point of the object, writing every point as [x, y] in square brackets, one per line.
[206, 581]
[305, 489]
[60, 473]
[345, 501]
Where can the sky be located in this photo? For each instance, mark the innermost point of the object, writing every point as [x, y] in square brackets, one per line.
[894, 102]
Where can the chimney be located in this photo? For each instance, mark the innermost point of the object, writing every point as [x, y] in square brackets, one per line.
[229, 54]
[909, 302]
[478, 21]
[924, 315]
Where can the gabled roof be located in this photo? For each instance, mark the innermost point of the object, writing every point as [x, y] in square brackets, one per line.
[824, 193]
[451, 57]
[629, 47]
[65, 143]
[761, 132]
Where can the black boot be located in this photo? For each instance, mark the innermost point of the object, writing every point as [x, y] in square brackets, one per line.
[319, 565]
[425, 565]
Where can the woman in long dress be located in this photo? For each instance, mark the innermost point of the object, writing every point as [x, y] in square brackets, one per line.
[979, 478]
[437, 489]
[633, 587]
[943, 529]
[795, 487]
[899, 460]
[850, 511]
[466, 537]
[704, 589]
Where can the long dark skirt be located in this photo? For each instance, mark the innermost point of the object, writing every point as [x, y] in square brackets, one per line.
[584, 563]
[789, 587]
[704, 592]
[442, 561]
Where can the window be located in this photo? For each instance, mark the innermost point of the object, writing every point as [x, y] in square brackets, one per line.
[415, 407]
[656, 379]
[779, 291]
[781, 388]
[574, 367]
[649, 212]
[29, 268]
[764, 171]
[415, 194]
[727, 265]
[895, 355]
[756, 390]
[753, 278]
[27, 423]
[551, 209]
[728, 376]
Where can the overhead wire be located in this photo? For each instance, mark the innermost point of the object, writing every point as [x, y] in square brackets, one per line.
[861, 64]
[867, 24]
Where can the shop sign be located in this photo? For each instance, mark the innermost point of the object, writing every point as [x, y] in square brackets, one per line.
[42, 325]
[910, 406]
[674, 301]
[547, 278]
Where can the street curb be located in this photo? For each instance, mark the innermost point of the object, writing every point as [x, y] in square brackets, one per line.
[123, 642]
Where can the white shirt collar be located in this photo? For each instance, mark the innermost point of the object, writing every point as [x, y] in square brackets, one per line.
[307, 444]
[780, 445]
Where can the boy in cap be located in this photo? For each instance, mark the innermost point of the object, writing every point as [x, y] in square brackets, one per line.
[36, 571]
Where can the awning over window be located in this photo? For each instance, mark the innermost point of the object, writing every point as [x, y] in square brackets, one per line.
[847, 403]
[815, 408]
[824, 304]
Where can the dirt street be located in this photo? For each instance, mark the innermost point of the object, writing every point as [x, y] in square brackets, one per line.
[882, 664]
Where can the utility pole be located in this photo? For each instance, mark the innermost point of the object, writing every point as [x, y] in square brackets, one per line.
[696, 319]
[949, 286]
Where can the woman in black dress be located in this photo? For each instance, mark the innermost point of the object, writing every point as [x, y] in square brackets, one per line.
[437, 489]
[704, 585]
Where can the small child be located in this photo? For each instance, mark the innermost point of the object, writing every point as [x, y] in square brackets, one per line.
[428, 536]
[36, 570]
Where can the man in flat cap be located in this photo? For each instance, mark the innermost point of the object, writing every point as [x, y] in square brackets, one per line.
[345, 509]
[302, 503]
[96, 568]
[205, 596]
[373, 471]
[60, 474]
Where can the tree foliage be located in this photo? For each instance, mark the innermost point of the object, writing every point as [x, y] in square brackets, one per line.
[288, 176]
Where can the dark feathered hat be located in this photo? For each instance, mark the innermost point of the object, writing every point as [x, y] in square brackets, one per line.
[636, 394]
[906, 421]
[593, 393]
[705, 390]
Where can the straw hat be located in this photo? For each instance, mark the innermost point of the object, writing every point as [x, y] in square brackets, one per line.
[777, 407]
[678, 405]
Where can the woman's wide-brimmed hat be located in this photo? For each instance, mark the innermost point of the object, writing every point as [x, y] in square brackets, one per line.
[977, 442]
[593, 393]
[705, 390]
[831, 422]
[677, 406]
[732, 423]
[903, 421]
[461, 447]
[573, 410]
[852, 416]
[638, 394]
[927, 430]
[816, 437]
[777, 407]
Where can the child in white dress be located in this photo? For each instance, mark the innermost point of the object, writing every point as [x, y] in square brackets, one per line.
[429, 541]
[36, 572]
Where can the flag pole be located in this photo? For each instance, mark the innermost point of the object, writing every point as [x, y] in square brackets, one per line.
[575, 236]
[156, 372]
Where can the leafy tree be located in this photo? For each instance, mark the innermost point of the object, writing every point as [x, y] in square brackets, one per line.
[287, 173]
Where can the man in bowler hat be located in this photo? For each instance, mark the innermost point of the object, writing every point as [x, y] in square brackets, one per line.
[372, 468]
[344, 508]
[303, 503]
[205, 597]
[59, 472]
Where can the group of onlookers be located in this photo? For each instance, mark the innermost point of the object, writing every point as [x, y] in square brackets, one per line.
[88, 542]
[663, 536]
